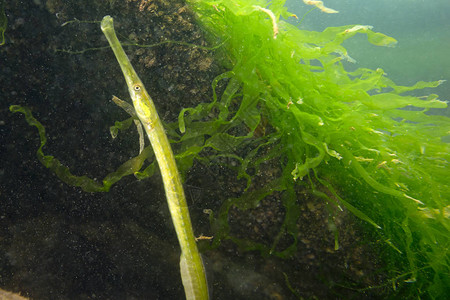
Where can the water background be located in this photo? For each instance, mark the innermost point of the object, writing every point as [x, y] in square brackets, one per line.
[422, 29]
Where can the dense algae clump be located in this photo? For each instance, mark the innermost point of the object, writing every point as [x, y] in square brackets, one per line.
[355, 136]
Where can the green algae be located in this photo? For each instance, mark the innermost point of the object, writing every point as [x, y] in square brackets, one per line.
[365, 140]
[87, 184]
[3, 22]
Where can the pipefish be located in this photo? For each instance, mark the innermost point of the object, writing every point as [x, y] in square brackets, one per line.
[191, 265]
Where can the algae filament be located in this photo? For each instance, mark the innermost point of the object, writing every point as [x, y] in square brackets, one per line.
[3, 22]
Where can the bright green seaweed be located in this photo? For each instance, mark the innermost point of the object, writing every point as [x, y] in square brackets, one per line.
[353, 130]
[356, 138]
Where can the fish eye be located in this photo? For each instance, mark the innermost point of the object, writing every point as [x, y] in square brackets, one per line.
[137, 88]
